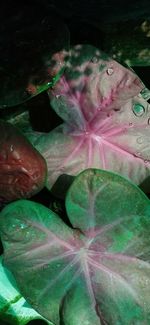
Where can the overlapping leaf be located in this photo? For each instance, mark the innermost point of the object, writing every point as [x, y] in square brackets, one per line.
[107, 121]
[13, 307]
[98, 272]
[22, 169]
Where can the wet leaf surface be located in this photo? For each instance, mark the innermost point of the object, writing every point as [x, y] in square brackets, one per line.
[100, 268]
[106, 119]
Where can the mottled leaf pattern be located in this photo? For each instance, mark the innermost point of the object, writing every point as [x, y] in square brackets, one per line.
[107, 121]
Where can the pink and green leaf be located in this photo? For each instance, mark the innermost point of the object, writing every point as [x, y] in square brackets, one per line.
[96, 272]
[106, 119]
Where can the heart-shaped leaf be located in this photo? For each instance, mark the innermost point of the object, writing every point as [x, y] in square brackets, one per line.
[13, 307]
[98, 272]
[107, 121]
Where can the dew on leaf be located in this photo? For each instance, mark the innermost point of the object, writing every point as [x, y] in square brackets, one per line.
[91, 277]
[140, 140]
[45, 266]
[145, 93]
[139, 154]
[138, 109]
[102, 66]
[11, 148]
[109, 114]
[57, 96]
[23, 225]
[49, 84]
[94, 59]
[110, 71]
[130, 124]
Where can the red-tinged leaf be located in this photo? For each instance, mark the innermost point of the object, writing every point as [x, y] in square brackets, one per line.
[22, 169]
[98, 273]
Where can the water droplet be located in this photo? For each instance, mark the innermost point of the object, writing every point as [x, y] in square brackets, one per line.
[146, 161]
[145, 93]
[148, 121]
[94, 59]
[128, 82]
[109, 114]
[16, 155]
[35, 187]
[110, 71]
[140, 140]
[139, 154]
[11, 148]
[23, 226]
[130, 124]
[13, 226]
[117, 109]
[138, 109]
[57, 96]
[58, 265]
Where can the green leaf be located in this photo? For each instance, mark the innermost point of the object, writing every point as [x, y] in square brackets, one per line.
[13, 307]
[98, 272]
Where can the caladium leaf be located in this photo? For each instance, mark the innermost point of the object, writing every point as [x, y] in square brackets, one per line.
[98, 272]
[13, 307]
[107, 121]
